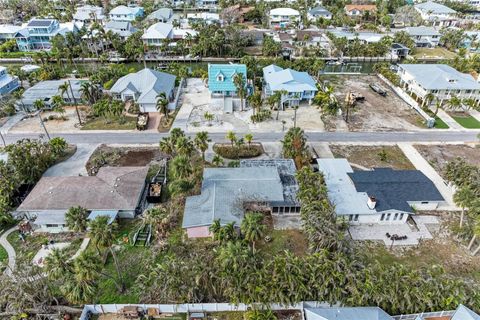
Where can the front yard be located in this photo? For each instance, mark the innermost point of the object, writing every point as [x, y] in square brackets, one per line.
[466, 120]
[122, 123]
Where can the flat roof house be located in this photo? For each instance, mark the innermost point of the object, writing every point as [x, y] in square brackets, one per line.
[143, 87]
[382, 195]
[299, 85]
[437, 14]
[8, 83]
[281, 18]
[118, 189]
[124, 13]
[441, 80]
[260, 185]
[424, 37]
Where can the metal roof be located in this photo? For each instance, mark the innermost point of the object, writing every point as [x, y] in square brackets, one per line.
[159, 30]
[319, 11]
[431, 7]
[363, 313]
[422, 31]
[464, 313]
[228, 71]
[278, 79]
[45, 90]
[161, 14]
[440, 77]
[284, 12]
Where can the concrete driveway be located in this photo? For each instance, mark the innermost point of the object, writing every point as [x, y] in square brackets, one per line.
[75, 165]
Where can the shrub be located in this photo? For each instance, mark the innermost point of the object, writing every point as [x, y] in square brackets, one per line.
[261, 115]
[228, 151]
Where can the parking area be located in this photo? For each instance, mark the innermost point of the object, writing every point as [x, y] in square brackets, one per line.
[376, 112]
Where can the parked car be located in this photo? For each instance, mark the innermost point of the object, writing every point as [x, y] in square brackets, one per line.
[378, 89]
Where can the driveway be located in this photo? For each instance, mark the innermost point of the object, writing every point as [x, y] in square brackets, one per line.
[10, 251]
[75, 165]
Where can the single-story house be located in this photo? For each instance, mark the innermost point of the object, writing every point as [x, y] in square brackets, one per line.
[8, 83]
[143, 87]
[441, 80]
[382, 195]
[280, 18]
[318, 13]
[423, 36]
[46, 90]
[220, 78]
[161, 15]
[260, 185]
[299, 85]
[354, 313]
[114, 189]
[124, 13]
[436, 13]
[358, 10]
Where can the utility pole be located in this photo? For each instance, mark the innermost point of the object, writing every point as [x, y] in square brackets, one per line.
[43, 124]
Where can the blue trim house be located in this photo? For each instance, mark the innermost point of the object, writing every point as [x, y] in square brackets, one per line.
[39, 32]
[124, 13]
[7, 82]
[220, 78]
[299, 85]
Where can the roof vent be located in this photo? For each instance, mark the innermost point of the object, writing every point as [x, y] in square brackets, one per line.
[371, 202]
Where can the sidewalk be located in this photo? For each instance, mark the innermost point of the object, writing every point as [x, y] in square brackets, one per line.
[475, 114]
[12, 121]
[449, 120]
[421, 164]
[10, 250]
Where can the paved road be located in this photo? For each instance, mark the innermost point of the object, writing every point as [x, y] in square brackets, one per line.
[10, 250]
[354, 137]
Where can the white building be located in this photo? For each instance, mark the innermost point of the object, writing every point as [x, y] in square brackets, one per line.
[7, 82]
[124, 13]
[437, 14]
[85, 15]
[441, 80]
[156, 34]
[424, 37]
[383, 195]
[280, 18]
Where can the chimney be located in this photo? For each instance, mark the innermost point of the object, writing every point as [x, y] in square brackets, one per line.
[371, 202]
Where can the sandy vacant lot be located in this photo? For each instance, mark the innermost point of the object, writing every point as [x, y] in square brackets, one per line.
[376, 113]
[439, 155]
[32, 125]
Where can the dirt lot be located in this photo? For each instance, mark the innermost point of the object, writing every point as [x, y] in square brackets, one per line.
[439, 155]
[367, 157]
[376, 113]
[123, 157]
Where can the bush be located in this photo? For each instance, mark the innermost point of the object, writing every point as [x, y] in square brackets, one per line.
[238, 152]
[261, 115]
[109, 84]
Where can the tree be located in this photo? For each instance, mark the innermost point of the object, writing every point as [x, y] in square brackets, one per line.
[162, 104]
[232, 137]
[404, 38]
[58, 104]
[295, 147]
[181, 167]
[256, 101]
[201, 142]
[57, 264]
[102, 234]
[270, 47]
[217, 160]
[40, 105]
[252, 227]
[249, 138]
[76, 219]
[240, 85]
[476, 234]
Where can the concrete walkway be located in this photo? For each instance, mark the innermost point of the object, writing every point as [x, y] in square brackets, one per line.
[12, 256]
[82, 248]
[421, 164]
[475, 114]
[12, 121]
[75, 165]
[449, 120]
[322, 149]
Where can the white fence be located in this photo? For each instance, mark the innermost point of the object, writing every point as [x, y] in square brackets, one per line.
[408, 100]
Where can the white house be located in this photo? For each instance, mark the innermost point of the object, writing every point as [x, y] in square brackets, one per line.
[124, 13]
[383, 195]
[8, 31]
[318, 13]
[424, 36]
[161, 15]
[280, 18]
[155, 35]
[123, 28]
[88, 14]
[7, 82]
[441, 80]
[143, 87]
[437, 14]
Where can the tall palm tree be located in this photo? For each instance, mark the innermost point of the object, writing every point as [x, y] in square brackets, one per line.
[215, 228]
[256, 101]
[103, 236]
[241, 86]
[252, 227]
[40, 105]
[201, 142]
[184, 146]
[57, 264]
[181, 167]
[162, 104]
[64, 90]
[58, 104]
[76, 219]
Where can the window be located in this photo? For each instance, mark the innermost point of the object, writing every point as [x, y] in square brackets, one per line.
[52, 225]
[424, 202]
[395, 216]
[220, 78]
[350, 217]
[355, 218]
[388, 216]
[382, 217]
[401, 216]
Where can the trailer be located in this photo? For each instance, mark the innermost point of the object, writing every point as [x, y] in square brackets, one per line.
[142, 121]
[155, 186]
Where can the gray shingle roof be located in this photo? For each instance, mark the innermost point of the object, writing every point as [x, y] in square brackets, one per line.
[394, 188]
[319, 11]
[359, 313]
[440, 77]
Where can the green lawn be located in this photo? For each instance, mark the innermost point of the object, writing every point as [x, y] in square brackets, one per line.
[438, 52]
[3, 257]
[440, 124]
[467, 121]
[127, 123]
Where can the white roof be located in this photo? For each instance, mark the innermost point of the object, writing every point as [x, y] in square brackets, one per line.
[9, 28]
[287, 79]
[284, 12]
[431, 7]
[159, 30]
[440, 77]
[124, 10]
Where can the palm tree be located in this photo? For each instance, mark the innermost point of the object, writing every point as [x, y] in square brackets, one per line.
[217, 160]
[428, 99]
[64, 90]
[181, 167]
[76, 219]
[40, 105]
[256, 101]
[201, 142]
[57, 264]
[252, 227]
[454, 103]
[102, 234]
[215, 228]
[295, 108]
[162, 104]
[476, 234]
[57, 103]
[232, 137]
[240, 85]
[184, 146]
[278, 97]
[249, 139]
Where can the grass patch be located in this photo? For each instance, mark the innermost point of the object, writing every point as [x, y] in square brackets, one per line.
[281, 240]
[123, 123]
[228, 151]
[3, 258]
[438, 52]
[440, 124]
[467, 121]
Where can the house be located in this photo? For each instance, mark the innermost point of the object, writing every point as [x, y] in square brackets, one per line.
[124, 13]
[383, 195]
[359, 10]
[7, 82]
[46, 90]
[157, 33]
[363, 37]
[260, 185]
[299, 86]
[117, 189]
[220, 78]
[464, 313]
[85, 15]
[206, 4]
[38, 33]
[206, 17]
[235, 13]
[8, 32]
[317, 13]
[363, 313]
[161, 15]
[441, 80]
[281, 18]
[399, 50]
[143, 87]
[123, 28]
[424, 37]
[471, 41]
[437, 14]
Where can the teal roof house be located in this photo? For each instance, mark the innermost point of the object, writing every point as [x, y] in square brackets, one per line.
[220, 78]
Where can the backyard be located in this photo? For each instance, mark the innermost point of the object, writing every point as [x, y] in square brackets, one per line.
[368, 157]
[433, 53]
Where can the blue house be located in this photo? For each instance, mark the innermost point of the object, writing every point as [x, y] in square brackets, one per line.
[124, 13]
[7, 82]
[220, 78]
[300, 86]
[39, 33]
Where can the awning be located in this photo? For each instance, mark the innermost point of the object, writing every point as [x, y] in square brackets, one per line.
[111, 214]
[50, 217]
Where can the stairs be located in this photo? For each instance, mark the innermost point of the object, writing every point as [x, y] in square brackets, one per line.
[143, 236]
